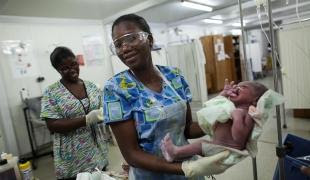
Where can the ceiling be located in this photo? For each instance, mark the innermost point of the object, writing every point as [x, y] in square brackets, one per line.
[80, 9]
[172, 10]
[157, 11]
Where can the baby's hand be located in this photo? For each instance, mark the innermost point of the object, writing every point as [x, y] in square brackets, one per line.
[254, 113]
[252, 109]
[229, 89]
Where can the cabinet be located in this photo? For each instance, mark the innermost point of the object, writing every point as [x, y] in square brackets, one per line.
[219, 64]
[232, 48]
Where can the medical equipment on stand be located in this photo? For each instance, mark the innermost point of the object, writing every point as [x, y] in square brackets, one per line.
[8, 167]
[32, 110]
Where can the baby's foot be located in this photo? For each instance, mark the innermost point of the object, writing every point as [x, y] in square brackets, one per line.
[168, 149]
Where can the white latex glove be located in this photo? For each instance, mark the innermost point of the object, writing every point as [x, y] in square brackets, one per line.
[205, 166]
[94, 116]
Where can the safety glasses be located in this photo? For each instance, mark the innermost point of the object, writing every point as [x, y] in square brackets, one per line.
[130, 39]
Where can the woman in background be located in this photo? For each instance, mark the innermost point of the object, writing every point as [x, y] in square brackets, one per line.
[71, 109]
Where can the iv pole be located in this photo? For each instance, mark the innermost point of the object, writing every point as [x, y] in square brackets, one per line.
[243, 40]
[246, 70]
[279, 149]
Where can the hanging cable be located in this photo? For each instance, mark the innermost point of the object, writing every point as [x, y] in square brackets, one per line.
[297, 14]
[261, 24]
[265, 12]
[277, 56]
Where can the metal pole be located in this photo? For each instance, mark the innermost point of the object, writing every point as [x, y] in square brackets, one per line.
[254, 168]
[283, 105]
[275, 78]
[243, 40]
[246, 73]
[281, 90]
[33, 151]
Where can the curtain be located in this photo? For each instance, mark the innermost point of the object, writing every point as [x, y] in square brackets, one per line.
[189, 59]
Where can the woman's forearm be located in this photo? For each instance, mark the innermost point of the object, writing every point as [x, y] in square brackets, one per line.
[65, 125]
[192, 129]
[195, 131]
[141, 159]
[126, 137]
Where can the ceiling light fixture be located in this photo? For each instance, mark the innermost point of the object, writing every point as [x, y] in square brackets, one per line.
[196, 6]
[220, 17]
[236, 24]
[200, 2]
[236, 31]
[213, 21]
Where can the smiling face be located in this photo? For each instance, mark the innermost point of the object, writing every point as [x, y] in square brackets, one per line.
[133, 55]
[245, 94]
[69, 70]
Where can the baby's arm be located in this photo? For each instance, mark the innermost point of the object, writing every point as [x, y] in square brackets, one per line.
[242, 125]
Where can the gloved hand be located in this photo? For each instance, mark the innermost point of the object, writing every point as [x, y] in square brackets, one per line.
[94, 116]
[229, 89]
[205, 166]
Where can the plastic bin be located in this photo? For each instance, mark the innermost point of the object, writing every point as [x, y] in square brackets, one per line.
[300, 147]
[10, 171]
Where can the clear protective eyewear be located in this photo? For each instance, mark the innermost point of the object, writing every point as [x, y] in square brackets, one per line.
[130, 39]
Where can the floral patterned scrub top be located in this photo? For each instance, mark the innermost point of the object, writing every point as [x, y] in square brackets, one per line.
[127, 98]
[75, 151]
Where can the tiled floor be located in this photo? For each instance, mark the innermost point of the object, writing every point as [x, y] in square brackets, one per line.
[266, 159]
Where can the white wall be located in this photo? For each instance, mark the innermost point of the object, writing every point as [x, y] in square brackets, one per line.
[188, 32]
[43, 33]
[159, 33]
[8, 139]
[294, 54]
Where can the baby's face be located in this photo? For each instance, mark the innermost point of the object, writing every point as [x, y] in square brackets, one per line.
[244, 94]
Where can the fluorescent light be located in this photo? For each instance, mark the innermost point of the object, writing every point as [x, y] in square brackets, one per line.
[199, 1]
[236, 31]
[213, 21]
[236, 24]
[306, 19]
[217, 17]
[196, 6]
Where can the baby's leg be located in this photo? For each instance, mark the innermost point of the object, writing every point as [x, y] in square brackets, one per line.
[172, 152]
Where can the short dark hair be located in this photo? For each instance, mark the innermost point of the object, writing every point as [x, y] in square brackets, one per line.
[259, 88]
[138, 20]
[60, 54]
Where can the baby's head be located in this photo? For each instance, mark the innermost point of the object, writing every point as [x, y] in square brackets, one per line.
[248, 93]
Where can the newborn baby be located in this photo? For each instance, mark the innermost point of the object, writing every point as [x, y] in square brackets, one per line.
[233, 134]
